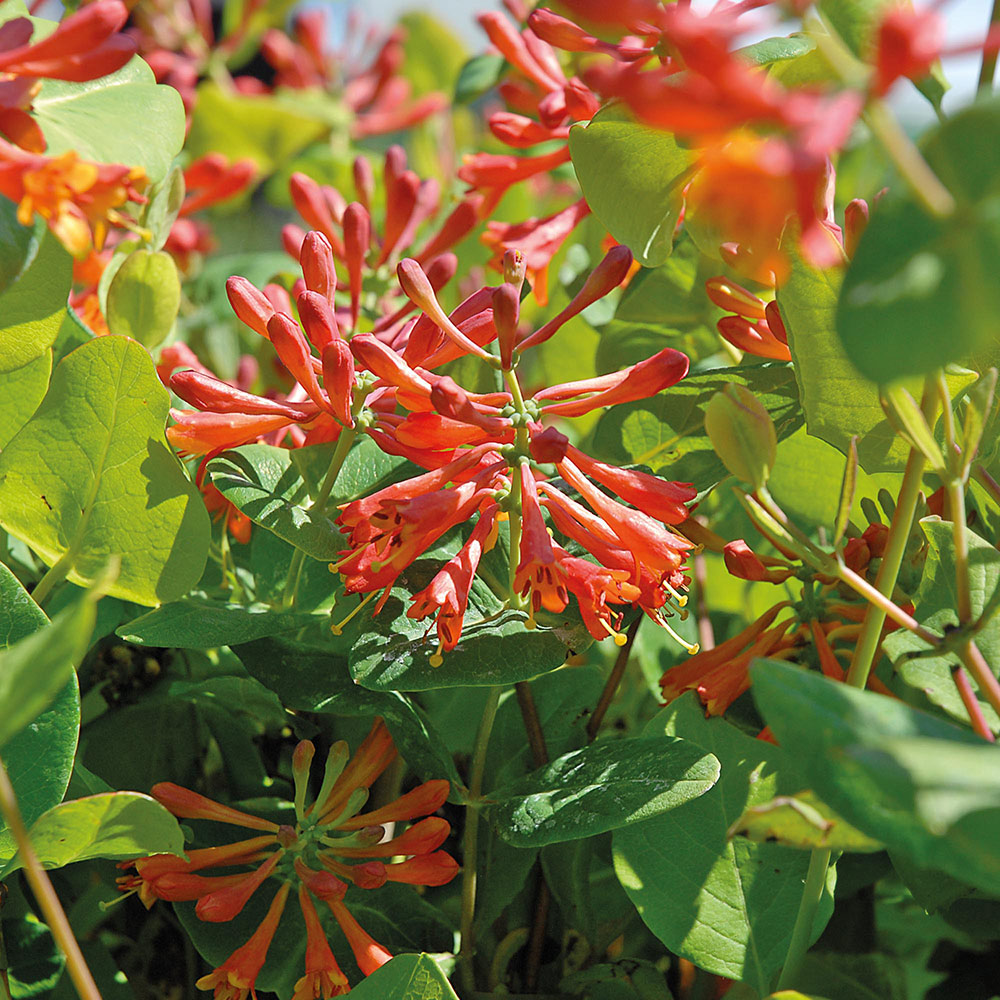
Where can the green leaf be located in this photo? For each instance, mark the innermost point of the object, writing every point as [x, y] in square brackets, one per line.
[35, 962]
[268, 129]
[37, 667]
[406, 977]
[125, 117]
[310, 679]
[198, 622]
[913, 273]
[768, 51]
[667, 432]
[39, 758]
[35, 278]
[874, 976]
[934, 607]
[433, 54]
[629, 979]
[21, 390]
[838, 402]
[602, 787]
[478, 75]
[393, 651]
[90, 476]
[801, 821]
[274, 486]
[144, 297]
[165, 201]
[631, 176]
[111, 825]
[727, 906]
[920, 785]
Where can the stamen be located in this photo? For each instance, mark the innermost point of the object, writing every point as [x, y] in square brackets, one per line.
[339, 628]
[692, 648]
[436, 658]
[680, 598]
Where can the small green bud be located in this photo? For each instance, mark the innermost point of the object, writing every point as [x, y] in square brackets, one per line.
[742, 434]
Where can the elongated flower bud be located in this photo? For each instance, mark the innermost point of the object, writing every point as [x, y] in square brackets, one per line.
[561, 32]
[318, 270]
[609, 274]
[293, 350]
[338, 379]
[856, 215]
[357, 239]
[734, 298]
[456, 227]
[418, 290]
[249, 303]
[185, 804]
[206, 392]
[506, 312]
[774, 321]
[364, 181]
[742, 434]
[317, 319]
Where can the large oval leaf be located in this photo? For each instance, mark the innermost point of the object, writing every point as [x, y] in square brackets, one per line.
[602, 787]
[90, 476]
[125, 117]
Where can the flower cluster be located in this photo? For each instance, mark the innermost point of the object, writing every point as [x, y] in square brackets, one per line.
[78, 199]
[321, 857]
[368, 252]
[491, 457]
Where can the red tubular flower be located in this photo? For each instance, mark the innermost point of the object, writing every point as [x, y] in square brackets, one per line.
[227, 902]
[539, 573]
[368, 953]
[447, 595]
[186, 804]
[235, 978]
[638, 381]
[323, 977]
[84, 46]
[212, 179]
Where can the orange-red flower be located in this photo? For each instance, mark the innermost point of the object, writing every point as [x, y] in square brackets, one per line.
[324, 852]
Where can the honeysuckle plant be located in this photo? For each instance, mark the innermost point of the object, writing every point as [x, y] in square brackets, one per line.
[597, 432]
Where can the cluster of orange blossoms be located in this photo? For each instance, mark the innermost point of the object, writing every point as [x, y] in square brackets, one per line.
[78, 199]
[321, 856]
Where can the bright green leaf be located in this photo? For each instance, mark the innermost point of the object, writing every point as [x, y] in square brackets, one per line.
[144, 297]
[406, 977]
[602, 787]
[801, 821]
[667, 432]
[920, 785]
[90, 476]
[126, 117]
[727, 906]
[21, 390]
[39, 758]
[639, 199]
[198, 622]
[35, 278]
[111, 825]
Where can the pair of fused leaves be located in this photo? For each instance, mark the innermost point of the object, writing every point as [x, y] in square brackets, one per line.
[90, 476]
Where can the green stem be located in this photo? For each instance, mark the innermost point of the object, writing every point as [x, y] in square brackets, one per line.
[470, 842]
[988, 68]
[901, 149]
[614, 679]
[344, 443]
[812, 893]
[55, 575]
[52, 909]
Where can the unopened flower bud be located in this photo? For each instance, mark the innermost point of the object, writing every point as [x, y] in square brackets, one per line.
[772, 314]
[301, 761]
[338, 380]
[318, 270]
[742, 434]
[734, 298]
[249, 303]
[364, 181]
[506, 312]
[317, 319]
[549, 446]
[856, 216]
